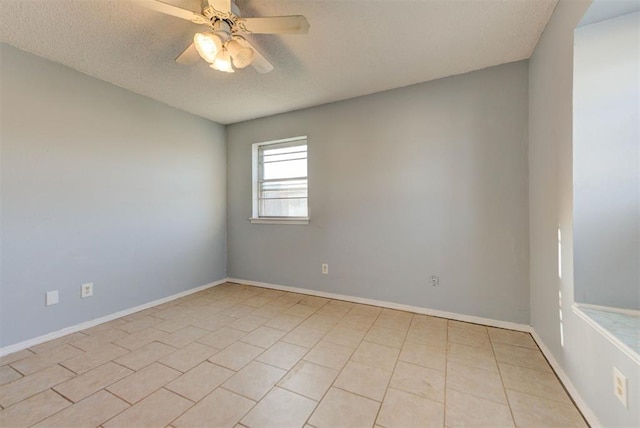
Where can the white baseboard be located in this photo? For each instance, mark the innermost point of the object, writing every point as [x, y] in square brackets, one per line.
[10, 349]
[588, 414]
[391, 305]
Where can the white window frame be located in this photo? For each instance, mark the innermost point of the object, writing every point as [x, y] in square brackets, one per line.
[255, 218]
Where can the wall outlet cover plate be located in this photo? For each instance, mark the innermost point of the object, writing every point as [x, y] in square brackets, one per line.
[620, 386]
[52, 298]
[86, 290]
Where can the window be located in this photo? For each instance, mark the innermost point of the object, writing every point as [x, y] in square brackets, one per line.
[280, 185]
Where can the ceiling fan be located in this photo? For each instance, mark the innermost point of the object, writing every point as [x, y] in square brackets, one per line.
[223, 46]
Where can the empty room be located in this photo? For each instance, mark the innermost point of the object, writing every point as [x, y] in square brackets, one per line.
[319, 214]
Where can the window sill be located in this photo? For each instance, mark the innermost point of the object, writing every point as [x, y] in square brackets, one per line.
[619, 326]
[279, 220]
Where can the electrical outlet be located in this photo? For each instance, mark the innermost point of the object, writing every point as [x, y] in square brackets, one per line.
[86, 290]
[52, 298]
[435, 280]
[620, 386]
[325, 269]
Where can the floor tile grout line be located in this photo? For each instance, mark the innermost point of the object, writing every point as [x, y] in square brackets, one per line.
[24, 374]
[88, 371]
[446, 367]
[43, 390]
[139, 400]
[288, 370]
[531, 394]
[560, 382]
[221, 386]
[375, 420]
[75, 346]
[341, 370]
[296, 392]
[504, 387]
[59, 394]
[363, 396]
[195, 403]
[73, 404]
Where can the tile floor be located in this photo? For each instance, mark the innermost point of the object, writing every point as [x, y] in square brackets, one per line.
[236, 355]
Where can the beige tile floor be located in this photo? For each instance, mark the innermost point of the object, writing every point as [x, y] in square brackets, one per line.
[237, 355]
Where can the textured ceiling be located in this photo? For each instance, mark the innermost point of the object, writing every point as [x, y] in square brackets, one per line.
[354, 47]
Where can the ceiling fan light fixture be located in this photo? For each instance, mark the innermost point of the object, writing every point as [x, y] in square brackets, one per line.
[226, 25]
[208, 45]
[242, 56]
[223, 62]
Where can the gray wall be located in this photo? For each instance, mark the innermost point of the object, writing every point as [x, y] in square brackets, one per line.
[425, 180]
[584, 354]
[100, 185]
[606, 148]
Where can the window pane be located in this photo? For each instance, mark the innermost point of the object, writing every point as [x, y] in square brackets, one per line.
[282, 179]
[283, 189]
[283, 207]
[285, 169]
[286, 156]
[277, 149]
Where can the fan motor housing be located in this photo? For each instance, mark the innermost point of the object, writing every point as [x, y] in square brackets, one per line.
[223, 22]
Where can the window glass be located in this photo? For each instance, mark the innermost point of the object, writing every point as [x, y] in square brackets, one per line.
[282, 185]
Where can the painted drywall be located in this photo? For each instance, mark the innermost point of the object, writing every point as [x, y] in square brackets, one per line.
[104, 186]
[606, 174]
[429, 179]
[602, 10]
[583, 353]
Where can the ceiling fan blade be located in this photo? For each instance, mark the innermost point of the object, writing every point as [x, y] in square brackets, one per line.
[172, 10]
[292, 24]
[189, 56]
[223, 6]
[259, 62]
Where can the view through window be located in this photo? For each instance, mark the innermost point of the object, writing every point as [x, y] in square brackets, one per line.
[282, 184]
